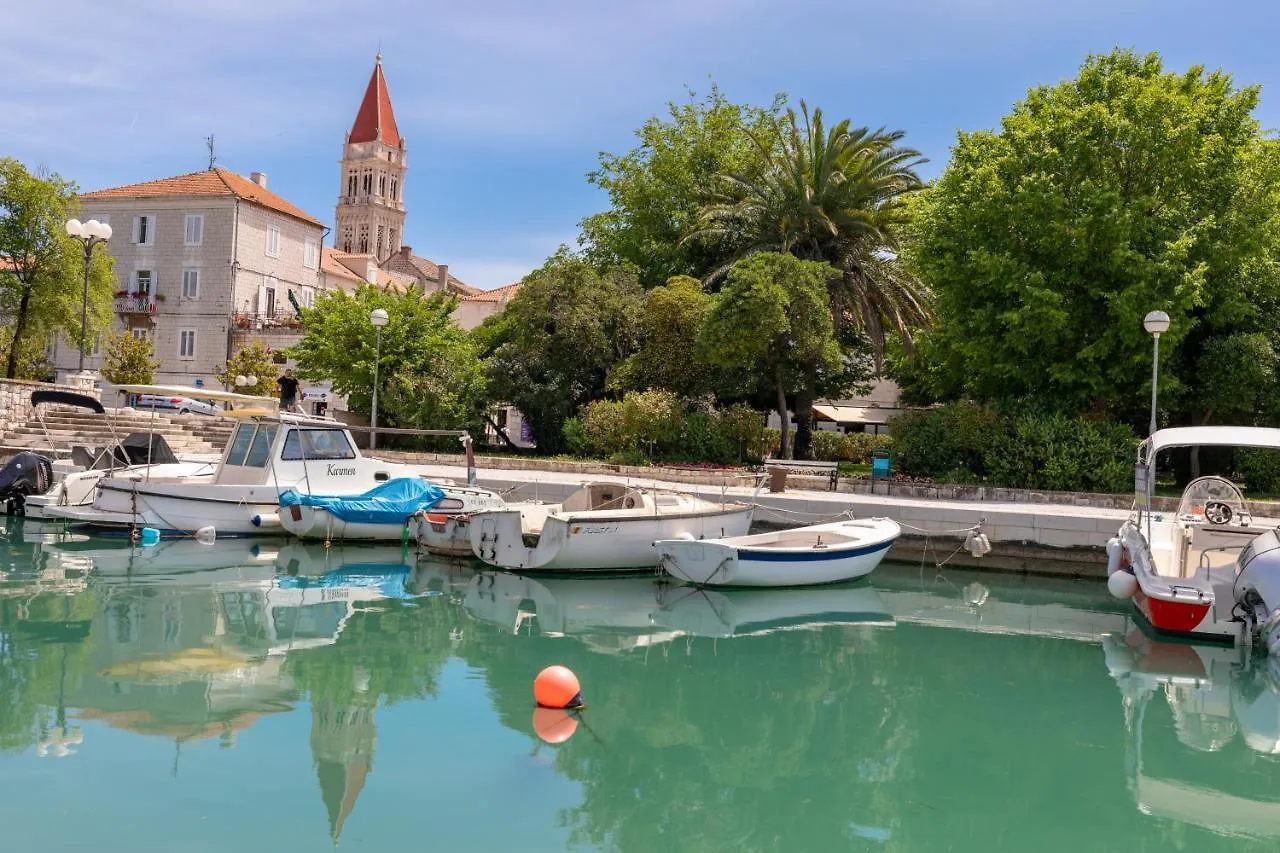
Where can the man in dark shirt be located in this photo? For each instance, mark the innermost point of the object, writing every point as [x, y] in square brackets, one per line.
[288, 391]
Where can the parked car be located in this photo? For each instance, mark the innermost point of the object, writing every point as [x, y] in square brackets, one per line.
[181, 405]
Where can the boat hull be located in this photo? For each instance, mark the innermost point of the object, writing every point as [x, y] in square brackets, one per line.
[311, 522]
[589, 544]
[1180, 607]
[178, 509]
[767, 560]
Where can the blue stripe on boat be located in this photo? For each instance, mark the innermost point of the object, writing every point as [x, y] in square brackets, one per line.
[818, 555]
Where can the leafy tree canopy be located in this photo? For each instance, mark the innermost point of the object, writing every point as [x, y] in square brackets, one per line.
[551, 350]
[129, 361]
[252, 361]
[42, 280]
[772, 319]
[429, 372]
[657, 188]
[1128, 189]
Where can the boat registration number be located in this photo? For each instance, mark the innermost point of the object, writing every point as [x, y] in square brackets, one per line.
[593, 529]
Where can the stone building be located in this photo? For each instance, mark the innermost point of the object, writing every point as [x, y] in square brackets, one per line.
[203, 261]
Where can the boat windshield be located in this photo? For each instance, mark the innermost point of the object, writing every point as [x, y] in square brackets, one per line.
[316, 444]
[251, 445]
[1201, 493]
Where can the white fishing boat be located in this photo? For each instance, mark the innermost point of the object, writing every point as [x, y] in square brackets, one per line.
[751, 612]
[801, 556]
[73, 481]
[269, 453]
[600, 527]
[445, 528]
[1180, 568]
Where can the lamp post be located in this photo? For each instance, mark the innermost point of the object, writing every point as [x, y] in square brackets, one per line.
[378, 317]
[89, 234]
[1157, 323]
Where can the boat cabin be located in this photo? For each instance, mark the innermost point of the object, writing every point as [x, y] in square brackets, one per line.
[295, 449]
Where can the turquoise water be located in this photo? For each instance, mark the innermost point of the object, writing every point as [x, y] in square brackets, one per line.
[197, 698]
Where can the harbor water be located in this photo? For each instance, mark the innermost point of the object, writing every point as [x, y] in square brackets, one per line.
[272, 696]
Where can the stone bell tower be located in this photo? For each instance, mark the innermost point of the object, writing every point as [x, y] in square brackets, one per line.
[370, 216]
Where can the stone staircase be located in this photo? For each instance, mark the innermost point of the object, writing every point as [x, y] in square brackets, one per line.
[65, 427]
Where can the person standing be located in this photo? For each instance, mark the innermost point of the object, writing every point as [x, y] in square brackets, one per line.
[288, 391]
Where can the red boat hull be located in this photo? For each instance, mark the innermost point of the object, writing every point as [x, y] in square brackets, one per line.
[1175, 617]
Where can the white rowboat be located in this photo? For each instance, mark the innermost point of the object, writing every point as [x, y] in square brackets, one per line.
[802, 556]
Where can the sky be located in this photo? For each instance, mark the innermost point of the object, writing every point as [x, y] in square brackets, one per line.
[507, 104]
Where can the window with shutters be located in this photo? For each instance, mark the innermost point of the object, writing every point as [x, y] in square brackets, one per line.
[191, 284]
[187, 343]
[309, 254]
[194, 229]
[142, 283]
[144, 230]
[273, 242]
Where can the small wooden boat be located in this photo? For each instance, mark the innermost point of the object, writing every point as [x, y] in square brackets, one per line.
[820, 553]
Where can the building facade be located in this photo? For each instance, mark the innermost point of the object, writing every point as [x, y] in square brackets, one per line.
[200, 258]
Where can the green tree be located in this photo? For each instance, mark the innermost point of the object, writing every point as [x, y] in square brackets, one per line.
[129, 361]
[657, 188]
[429, 372]
[550, 352]
[41, 290]
[252, 360]
[1126, 189]
[32, 362]
[838, 196]
[670, 319]
[772, 318]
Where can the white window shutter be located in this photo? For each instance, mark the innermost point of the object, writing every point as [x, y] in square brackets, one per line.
[136, 223]
[262, 297]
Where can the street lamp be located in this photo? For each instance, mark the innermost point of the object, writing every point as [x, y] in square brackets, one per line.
[1157, 323]
[378, 317]
[89, 234]
[243, 381]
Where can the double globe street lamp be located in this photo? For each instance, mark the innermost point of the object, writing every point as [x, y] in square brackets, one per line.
[378, 317]
[89, 234]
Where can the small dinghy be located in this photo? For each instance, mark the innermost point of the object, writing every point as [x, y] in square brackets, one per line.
[383, 513]
[820, 553]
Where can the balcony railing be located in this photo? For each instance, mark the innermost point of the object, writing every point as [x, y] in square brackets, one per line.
[135, 303]
[278, 321]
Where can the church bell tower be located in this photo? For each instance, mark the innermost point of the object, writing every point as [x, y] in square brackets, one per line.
[370, 216]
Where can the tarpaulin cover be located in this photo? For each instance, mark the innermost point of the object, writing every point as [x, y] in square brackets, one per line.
[389, 503]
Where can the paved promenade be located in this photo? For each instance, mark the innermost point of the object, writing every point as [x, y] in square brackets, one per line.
[1042, 538]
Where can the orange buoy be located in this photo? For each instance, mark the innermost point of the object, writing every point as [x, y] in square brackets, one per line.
[554, 725]
[557, 687]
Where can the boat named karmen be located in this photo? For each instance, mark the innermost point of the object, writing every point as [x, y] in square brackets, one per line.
[801, 556]
[600, 527]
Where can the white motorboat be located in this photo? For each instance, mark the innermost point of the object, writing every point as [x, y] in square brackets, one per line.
[268, 453]
[1224, 709]
[750, 612]
[801, 556]
[1180, 569]
[600, 527]
[74, 481]
[445, 528]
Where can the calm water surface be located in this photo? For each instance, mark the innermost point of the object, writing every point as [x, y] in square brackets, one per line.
[285, 698]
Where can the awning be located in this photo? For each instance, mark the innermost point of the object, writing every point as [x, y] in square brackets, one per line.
[854, 414]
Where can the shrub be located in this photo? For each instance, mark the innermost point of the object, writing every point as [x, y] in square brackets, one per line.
[575, 437]
[1260, 470]
[741, 429]
[651, 420]
[604, 428]
[964, 441]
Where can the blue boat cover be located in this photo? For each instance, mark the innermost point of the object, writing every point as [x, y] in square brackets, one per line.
[391, 502]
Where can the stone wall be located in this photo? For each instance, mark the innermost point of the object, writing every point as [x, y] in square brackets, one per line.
[15, 400]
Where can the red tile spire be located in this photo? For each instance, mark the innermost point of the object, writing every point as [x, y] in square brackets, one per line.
[375, 121]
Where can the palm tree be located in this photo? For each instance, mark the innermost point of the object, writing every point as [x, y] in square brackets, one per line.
[838, 196]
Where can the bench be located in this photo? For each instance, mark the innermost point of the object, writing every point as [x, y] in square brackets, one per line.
[830, 470]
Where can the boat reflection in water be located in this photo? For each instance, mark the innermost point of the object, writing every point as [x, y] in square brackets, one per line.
[748, 612]
[1225, 710]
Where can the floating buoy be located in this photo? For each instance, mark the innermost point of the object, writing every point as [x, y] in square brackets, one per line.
[206, 535]
[557, 687]
[1121, 584]
[149, 537]
[554, 725]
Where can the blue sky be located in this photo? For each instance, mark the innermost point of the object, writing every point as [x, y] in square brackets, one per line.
[506, 103]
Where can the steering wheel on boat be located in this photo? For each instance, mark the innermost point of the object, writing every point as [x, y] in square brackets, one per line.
[1217, 512]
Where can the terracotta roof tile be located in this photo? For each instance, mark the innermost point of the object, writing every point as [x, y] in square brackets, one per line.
[211, 182]
[375, 122]
[498, 294]
[330, 265]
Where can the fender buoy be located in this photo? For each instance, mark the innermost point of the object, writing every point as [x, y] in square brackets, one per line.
[557, 687]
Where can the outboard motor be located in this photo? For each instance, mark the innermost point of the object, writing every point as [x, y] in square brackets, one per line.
[1257, 590]
[25, 474]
